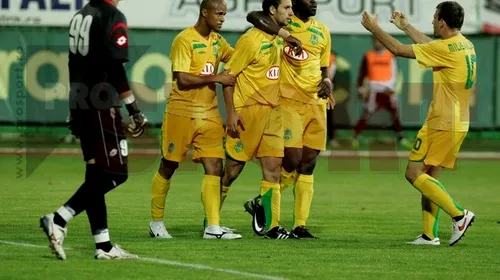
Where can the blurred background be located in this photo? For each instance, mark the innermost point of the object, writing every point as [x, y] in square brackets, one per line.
[34, 77]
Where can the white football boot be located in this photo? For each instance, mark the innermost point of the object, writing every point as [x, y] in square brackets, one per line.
[227, 230]
[459, 228]
[216, 232]
[116, 253]
[55, 234]
[224, 229]
[421, 241]
[158, 230]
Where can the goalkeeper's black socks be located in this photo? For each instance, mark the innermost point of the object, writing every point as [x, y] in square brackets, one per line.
[58, 220]
[105, 246]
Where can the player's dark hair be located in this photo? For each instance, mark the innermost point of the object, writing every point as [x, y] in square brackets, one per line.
[267, 4]
[452, 13]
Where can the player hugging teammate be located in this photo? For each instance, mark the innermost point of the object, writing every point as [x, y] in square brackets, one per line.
[302, 95]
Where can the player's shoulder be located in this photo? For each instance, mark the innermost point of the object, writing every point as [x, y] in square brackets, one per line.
[185, 35]
[261, 39]
[321, 25]
[105, 9]
[255, 35]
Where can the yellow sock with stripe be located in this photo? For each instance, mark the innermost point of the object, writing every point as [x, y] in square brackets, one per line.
[287, 179]
[436, 192]
[303, 194]
[430, 215]
[211, 197]
[271, 201]
[159, 190]
[223, 195]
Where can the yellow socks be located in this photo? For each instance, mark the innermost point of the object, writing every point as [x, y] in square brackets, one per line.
[223, 195]
[211, 198]
[159, 190]
[287, 179]
[433, 190]
[271, 201]
[303, 194]
[430, 214]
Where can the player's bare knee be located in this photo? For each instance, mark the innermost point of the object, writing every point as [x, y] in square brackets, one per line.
[212, 166]
[272, 172]
[413, 170]
[231, 172]
[410, 175]
[308, 162]
[167, 168]
[307, 168]
[293, 157]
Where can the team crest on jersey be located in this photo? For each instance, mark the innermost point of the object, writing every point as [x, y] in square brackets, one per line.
[209, 69]
[314, 39]
[290, 53]
[121, 40]
[273, 73]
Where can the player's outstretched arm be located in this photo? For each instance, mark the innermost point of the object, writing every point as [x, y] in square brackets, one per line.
[393, 45]
[401, 22]
[262, 21]
[186, 81]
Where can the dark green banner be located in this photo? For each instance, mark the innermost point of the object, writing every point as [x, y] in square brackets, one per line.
[495, 77]
[34, 77]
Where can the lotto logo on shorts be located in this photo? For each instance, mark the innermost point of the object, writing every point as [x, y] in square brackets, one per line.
[209, 69]
[273, 73]
[290, 53]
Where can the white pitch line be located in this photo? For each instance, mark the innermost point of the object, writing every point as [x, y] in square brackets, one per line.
[166, 262]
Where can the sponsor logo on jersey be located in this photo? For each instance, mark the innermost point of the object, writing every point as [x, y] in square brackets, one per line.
[290, 53]
[209, 69]
[273, 73]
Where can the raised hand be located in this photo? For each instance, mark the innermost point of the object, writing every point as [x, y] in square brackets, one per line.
[369, 21]
[399, 20]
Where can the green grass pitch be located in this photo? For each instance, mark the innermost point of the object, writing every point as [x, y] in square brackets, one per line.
[363, 213]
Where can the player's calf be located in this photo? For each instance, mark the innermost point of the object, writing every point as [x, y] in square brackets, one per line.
[303, 193]
[159, 190]
[271, 196]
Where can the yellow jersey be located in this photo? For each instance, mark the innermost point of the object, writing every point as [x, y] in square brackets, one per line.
[192, 53]
[301, 74]
[453, 63]
[256, 64]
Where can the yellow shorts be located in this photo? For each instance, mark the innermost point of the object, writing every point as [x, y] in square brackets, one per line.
[180, 133]
[262, 137]
[437, 147]
[304, 124]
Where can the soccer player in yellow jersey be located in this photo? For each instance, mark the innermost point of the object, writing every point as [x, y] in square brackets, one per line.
[304, 79]
[254, 121]
[192, 117]
[453, 61]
